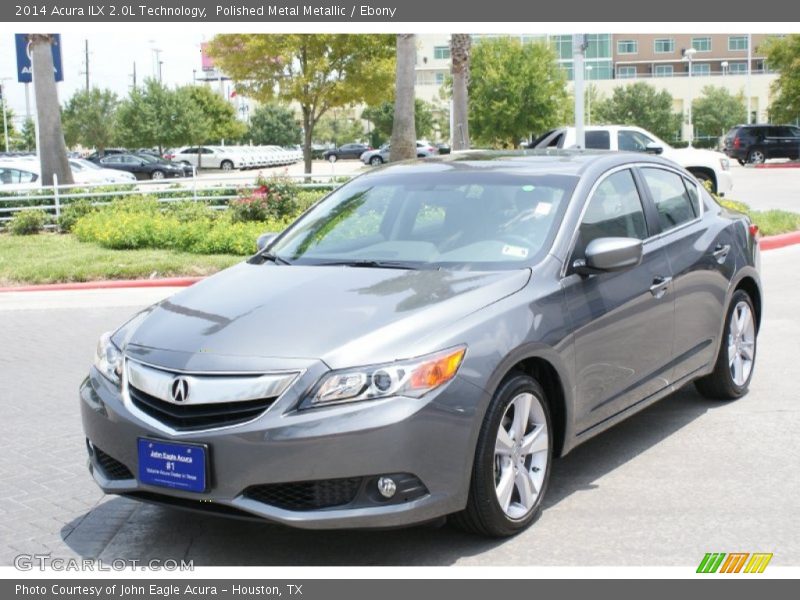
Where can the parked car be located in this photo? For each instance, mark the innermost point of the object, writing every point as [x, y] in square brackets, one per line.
[141, 167]
[186, 169]
[346, 151]
[85, 171]
[381, 155]
[24, 173]
[207, 157]
[425, 340]
[757, 143]
[18, 174]
[95, 156]
[705, 165]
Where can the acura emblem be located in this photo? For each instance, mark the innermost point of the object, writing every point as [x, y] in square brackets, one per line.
[179, 389]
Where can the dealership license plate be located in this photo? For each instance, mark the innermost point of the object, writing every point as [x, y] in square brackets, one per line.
[177, 466]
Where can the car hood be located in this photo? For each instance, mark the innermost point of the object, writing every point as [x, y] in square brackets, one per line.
[694, 156]
[341, 315]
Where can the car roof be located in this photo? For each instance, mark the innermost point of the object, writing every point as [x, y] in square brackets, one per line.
[533, 162]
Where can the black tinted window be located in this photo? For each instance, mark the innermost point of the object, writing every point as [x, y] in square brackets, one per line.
[615, 210]
[598, 140]
[672, 200]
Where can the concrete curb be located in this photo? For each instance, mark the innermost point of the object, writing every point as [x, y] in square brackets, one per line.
[765, 243]
[784, 165]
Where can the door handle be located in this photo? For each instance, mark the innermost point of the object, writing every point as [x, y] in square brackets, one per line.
[660, 286]
[720, 252]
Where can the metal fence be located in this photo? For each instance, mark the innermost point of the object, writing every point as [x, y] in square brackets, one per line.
[217, 191]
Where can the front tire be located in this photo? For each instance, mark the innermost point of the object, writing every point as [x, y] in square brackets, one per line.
[736, 358]
[703, 177]
[157, 175]
[226, 165]
[376, 161]
[333, 158]
[512, 461]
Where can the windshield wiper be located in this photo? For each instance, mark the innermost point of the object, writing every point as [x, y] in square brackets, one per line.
[268, 257]
[370, 263]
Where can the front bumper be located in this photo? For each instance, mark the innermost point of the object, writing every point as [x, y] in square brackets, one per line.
[724, 182]
[432, 438]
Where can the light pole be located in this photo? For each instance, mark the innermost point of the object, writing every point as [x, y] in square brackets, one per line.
[589, 95]
[688, 55]
[5, 116]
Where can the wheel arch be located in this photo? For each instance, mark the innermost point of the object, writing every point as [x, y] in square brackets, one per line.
[706, 171]
[749, 285]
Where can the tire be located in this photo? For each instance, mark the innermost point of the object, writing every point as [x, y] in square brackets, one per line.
[724, 383]
[157, 175]
[333, 158]
[226, 165]
[484, 514]
[375, 161]
[741, 162]
[756, 157]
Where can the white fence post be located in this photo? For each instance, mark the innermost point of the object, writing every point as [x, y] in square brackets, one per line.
[194, 183]
[55, 195]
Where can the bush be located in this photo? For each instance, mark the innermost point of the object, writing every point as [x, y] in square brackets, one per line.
[735, 205]
[305, 199]
[72, 212]
[28, 222]
[273, 198]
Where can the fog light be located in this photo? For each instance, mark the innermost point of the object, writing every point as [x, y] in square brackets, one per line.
[387, 487]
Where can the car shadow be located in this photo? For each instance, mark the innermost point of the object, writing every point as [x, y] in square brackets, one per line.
[121, 528]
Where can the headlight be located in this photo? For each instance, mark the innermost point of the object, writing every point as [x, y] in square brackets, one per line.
[410, 378]
[108, 358]
[725, 163]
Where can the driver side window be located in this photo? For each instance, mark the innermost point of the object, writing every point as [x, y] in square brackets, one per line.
[614, 210]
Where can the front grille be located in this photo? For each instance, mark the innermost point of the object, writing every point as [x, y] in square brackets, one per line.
[307, 495]
[111, 467]
[198, 416]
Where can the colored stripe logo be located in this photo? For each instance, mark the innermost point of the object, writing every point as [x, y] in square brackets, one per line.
[734, 562]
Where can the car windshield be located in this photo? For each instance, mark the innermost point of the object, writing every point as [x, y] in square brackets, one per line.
[462, 219]
[82, 164]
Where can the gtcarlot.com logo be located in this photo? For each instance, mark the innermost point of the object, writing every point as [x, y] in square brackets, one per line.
[734, 562]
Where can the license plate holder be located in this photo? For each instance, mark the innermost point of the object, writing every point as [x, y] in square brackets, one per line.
[173, 465]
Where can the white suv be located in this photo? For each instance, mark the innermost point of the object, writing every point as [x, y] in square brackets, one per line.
[705, 165]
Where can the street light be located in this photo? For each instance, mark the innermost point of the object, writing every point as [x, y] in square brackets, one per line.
[589, 96]
[688, 54]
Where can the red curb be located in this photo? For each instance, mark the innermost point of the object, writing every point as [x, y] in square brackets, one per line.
[765, 243]
[786, 165]
[779, 241]
[106, 284]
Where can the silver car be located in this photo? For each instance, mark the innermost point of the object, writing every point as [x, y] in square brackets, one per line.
[424, 342]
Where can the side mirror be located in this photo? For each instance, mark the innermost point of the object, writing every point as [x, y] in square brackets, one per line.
[609, 254]
[653, 148]
[264, 240]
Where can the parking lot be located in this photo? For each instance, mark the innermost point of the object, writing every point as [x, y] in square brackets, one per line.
[685, 477]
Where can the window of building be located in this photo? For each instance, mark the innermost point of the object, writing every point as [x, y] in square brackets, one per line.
[439, 77]
[701, 68]
[664, 46]
[626, 72]
[663, 71]
[627, 47]
[737, 42]
[702, 44]
[737, 68]
[441, 52]
[563, 46]
[599, 45]
[674, 204]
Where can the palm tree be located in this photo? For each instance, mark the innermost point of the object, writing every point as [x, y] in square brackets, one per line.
[460, 46]
[52, 150]
[404, 135]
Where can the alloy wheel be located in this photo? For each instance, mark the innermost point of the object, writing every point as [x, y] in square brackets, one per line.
[521, 455]
[741, 343]
[757, 157]
[157, 175]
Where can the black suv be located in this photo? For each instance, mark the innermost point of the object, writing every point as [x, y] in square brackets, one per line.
[757, 143]
[346, 151]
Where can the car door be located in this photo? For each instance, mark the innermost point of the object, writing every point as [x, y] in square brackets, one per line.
[788, 142]
[699, 250]
[622, 321]
[772, 142]
[189, 155]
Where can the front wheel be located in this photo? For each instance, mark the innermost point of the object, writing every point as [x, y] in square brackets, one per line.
[737, 353]
[512, 461]
[226, 165]
[157, 175]
[332, 158]
[375, 161]
[704, 177]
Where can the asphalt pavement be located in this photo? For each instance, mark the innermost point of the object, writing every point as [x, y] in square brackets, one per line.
[684, 477]
[766, 189]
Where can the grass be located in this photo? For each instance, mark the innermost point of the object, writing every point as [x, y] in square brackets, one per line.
[56, 258]
[770, 222]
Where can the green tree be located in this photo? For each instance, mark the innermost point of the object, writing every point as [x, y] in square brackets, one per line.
[515, 89]
[27, 137]
[318, 71]
[717, 110]
[90, 119]
[274, 124]
[382, 117]
[12, 134]
[639, 104]
[338, 129]
[219, 121]
[152, 116]
[783, 55]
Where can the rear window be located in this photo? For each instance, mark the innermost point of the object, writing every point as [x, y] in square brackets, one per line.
[673, 201]
[598, 140]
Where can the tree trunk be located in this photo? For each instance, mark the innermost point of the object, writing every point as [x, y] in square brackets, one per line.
[460, 46]
[308, 132]
[52, 149]
[404, 135]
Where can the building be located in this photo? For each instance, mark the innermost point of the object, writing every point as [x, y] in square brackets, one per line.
[614, 60]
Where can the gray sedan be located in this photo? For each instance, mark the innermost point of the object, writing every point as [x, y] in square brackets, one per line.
[425, 340]
[381, 155]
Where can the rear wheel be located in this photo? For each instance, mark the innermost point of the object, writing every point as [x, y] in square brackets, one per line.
[737, 353]
[332, 158]
[157, 175]
[756, 157]
[512, 461]
[226, 165]
[375, 161]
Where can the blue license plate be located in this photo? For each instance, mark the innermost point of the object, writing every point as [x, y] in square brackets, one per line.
[177, 466]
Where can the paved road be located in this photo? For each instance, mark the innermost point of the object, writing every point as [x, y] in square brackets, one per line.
[765, 189]
[685, 477]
